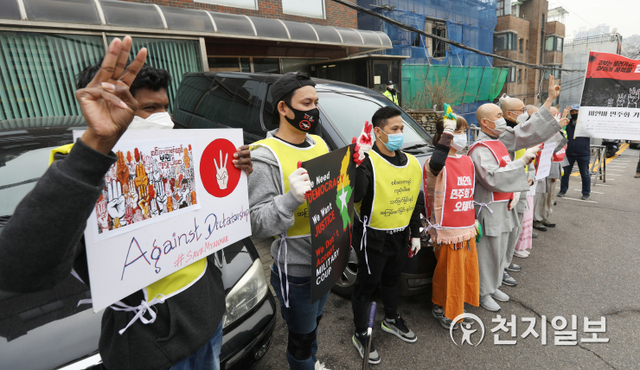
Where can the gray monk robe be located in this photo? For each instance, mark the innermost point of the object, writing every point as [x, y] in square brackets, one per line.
[496, 220]
[537, 129]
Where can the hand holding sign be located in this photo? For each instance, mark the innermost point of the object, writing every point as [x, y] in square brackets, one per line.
[222, 175]
[363, 143]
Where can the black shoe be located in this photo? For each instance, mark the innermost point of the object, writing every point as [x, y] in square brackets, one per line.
[539, 226]
[360, 341]
[514, 268]
[548, 224]
[398, 327]
[561, 194]
[534, 235]
[585, 196]
[508, 280]
[555, 203]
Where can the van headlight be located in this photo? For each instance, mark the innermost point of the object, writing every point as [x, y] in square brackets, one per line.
[246, 294]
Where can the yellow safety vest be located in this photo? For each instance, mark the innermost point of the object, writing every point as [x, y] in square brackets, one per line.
[393, 98]
[395, 193]
[288, 157]
[169, 285]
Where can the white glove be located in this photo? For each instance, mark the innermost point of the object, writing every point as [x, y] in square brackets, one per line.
[450, 125]
[299, 184]
[530, 154]
[415, 246]
[514, 201]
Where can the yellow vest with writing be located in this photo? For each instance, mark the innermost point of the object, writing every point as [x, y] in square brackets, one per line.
[288, 157]
[169, 285]
[395, 192]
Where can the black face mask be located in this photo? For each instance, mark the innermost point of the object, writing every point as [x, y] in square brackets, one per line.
[305, 121]
[574, 117]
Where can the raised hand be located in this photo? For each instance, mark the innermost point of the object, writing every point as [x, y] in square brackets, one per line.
[554, 90]
[222, 175]
[115, 200]
[106, 103]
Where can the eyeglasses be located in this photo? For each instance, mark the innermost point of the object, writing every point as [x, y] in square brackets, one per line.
[524, 109]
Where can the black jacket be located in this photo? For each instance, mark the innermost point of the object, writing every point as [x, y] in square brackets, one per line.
[43, 241]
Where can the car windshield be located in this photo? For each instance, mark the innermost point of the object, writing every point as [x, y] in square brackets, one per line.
[348, 112]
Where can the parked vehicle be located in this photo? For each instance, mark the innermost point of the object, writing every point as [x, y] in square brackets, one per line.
[243, 100]
[611, 147]
[48, 329]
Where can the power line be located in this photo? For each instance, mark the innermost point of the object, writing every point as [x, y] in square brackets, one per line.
[448, 41]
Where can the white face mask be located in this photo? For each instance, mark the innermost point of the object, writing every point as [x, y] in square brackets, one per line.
[391, 86]
[161, 120]
[522, 118]
[501, 125]
[459, 142]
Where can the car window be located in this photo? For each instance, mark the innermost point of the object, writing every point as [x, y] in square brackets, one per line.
[348, 112]
[226, 101]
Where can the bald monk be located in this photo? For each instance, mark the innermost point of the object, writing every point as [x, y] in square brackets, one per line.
[498, 176]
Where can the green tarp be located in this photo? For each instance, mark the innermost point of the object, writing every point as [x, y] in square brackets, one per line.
[426, 85]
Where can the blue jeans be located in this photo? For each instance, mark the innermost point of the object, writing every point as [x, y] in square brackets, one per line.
[583, 166]
[206, 358]
[302, 315]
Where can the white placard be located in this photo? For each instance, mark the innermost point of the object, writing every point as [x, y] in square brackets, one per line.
[545, 159]
[305, 8]
[608, 123]
[172, 198]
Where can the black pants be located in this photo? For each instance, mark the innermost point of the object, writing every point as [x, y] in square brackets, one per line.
[385, 270]
[638, 167]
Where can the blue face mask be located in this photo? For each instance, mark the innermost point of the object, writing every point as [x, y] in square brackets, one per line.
[395, 142]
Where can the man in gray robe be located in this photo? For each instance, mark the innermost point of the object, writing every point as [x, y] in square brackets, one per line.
[499, 219]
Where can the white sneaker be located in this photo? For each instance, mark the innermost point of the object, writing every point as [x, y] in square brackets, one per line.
[320, 366]
[488, 303]
[521, 254]
[500, 296]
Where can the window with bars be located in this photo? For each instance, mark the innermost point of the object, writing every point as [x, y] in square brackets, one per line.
[37, 72]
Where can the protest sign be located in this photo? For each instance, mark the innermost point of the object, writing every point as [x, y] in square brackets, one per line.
[544, 159]
[609, 105]
[172, 198]
[330, 200]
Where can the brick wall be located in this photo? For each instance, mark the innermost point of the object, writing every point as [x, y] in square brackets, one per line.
[426, 118]
[337, 14]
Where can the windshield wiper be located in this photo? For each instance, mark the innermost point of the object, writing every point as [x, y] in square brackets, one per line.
[420, 145]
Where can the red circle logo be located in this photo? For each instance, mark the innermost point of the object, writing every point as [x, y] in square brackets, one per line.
[219, 176]
[305, 125]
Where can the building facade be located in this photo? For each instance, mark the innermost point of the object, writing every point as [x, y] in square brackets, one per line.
[46, 43]
[525, 33]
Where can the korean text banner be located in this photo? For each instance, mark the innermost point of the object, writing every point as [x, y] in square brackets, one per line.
[609, 106]
[333, 178]
[172, 198]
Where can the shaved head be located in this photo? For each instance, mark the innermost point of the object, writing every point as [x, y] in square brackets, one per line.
[553, 111]
[486, 115]
[512, 108]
